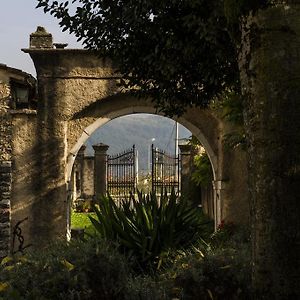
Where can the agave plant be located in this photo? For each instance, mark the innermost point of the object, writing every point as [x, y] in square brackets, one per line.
[149, 226]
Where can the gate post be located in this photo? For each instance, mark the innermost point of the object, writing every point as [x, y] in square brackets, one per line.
[186, 167]
[100, 170]
[80, 160]
[218, 186]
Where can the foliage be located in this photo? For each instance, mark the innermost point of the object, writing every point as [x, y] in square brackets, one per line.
[223, 234]
[94, 269]
[143, 287]
[82, 205]
[149, 227]
[234, 9]
[218, 275]
[230, 108]
[203, 174]
[177, 52]
[219, 271]
[78, 270]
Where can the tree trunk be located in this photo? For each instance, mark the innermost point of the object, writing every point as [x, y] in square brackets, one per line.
[270, 76]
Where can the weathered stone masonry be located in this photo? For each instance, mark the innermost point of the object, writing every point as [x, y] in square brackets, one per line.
[78, 94]
[5, 167]
[17, 135]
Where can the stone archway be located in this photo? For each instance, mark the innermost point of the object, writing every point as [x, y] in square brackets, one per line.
[122, 105]
[101, 112]
[78, 92]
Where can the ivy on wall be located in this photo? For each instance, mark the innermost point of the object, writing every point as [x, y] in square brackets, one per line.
[202, 175]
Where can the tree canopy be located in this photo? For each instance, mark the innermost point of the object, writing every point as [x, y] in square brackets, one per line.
[177, 52]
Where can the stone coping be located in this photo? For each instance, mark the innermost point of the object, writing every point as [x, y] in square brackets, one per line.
[23, 111]
[56, 50]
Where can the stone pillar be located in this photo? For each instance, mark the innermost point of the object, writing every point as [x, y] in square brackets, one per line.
[100, 170]
[80, 165]
[218, 186]
[186, 168]
[50, 209]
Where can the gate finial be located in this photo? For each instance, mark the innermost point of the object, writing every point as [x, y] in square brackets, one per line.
[41, 39]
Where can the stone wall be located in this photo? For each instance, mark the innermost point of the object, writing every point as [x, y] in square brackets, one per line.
[78, 93]
[25, 166]
[17, 159]
[5, 167]
[5, 195]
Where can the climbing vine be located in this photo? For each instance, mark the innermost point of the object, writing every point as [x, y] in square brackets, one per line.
[202, 175]
[230, 108]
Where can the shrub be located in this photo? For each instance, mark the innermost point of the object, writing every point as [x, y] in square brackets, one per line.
[221, 271]
[203, 174]
[78, 270]
[149, 227]
[216, 276]
[146, 288]
[83, 205]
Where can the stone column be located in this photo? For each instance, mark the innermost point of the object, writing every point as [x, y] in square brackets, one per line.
[218, 186]
[100, 170]
[50, 208]
[80, 164]
[186, 168]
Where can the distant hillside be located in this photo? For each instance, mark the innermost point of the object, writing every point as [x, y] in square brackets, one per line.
[121, 133]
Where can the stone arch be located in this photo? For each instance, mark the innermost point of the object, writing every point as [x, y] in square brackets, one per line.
[78, 91]
[135, 106]
[201, 122]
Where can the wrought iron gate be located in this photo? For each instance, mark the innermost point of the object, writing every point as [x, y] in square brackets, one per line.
[165, 171]
[122, 173]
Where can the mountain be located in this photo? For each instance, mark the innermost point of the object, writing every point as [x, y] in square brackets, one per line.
[139, 130]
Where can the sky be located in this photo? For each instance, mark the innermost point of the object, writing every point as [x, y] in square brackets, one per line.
[19, 18]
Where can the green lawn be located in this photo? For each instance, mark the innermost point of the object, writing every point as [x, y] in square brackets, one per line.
[81, 220]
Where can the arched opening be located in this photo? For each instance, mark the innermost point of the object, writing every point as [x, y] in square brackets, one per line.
[78, 92]
[101, 121]
[92, 135]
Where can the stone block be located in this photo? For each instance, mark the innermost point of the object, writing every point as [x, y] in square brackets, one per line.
[5, 170]
[5, 188]
[4, 233]
[5, 164]
[4, 183]
[5, 204]
[5, 196]
[4, 226]
[4, 215]
[5, 177]
[41, 39]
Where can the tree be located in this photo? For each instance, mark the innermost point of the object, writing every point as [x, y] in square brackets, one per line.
[188, 59]
[270, 69]
[178, 52]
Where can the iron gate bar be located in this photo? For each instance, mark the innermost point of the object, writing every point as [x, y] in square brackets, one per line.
[121, 173]
[165, 171]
